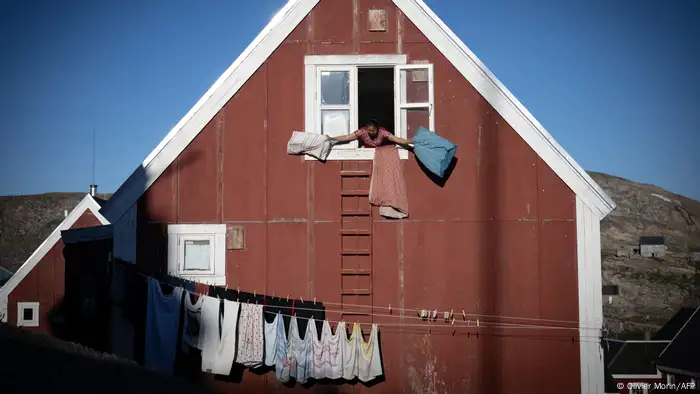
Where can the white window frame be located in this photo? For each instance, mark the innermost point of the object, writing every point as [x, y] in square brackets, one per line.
[316, 64]
[178, 234]
[21, 322]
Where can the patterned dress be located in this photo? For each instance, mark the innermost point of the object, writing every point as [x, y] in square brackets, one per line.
[369, 142]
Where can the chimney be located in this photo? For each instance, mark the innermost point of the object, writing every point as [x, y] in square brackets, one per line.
[93, 190]
[65, 213]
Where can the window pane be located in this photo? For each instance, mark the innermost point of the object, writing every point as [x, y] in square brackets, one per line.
[335, 88]
[415, 86]
[197, 255]
[413, 118]
[335, 122]
[27, 314]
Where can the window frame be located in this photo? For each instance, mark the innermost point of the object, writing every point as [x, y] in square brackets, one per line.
[21, 307]
[315, 64]
[178, 234]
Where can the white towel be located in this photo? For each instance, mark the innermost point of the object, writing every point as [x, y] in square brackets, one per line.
[369, 360]
[218, 351]
[315, 145]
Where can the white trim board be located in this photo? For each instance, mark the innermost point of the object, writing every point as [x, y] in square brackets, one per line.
[87, 203]
[655, 376]
[590, 298]
[284, 22]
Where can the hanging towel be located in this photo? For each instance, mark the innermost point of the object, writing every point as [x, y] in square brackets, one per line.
[387, 188]
[283, 353]
[271, 341]
[250, 336]
[315, 145]
[369, 361]
[162, 323]
[217, 336]
[433, 151]
[300, 349]
[350, 349]
[327, 358]
[191, 321]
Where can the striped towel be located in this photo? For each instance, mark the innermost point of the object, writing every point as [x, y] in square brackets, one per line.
[315, 145]
[387, 188]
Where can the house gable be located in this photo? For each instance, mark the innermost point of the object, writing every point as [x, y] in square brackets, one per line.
[80, 216]
[286, 20]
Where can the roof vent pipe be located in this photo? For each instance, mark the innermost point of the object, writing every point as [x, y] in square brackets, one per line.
[93, 190]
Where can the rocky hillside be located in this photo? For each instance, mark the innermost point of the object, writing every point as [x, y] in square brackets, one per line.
[651, 289]
[25, 221]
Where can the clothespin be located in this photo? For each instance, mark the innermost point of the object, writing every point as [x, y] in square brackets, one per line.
[464, 315]
[435, 314]
[287, 297]
[314, 300]
[238, 288]
[454, 329]
[302, 300]
[447, 315]
[477, 322]
[390, 309]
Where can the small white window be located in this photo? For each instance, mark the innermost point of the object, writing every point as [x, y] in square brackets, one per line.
[28, 314]
[197, 252]
[343, 92]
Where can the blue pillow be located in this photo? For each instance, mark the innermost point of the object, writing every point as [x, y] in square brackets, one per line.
[433, 151]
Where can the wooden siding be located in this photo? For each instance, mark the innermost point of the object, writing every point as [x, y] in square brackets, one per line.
[499, 238]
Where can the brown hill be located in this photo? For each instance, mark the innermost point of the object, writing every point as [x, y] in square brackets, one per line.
[651, 289]
[25, 221]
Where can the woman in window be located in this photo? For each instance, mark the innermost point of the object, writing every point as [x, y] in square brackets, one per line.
[372, 136]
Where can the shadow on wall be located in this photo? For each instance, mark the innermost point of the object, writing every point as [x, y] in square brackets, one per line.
[35, 363]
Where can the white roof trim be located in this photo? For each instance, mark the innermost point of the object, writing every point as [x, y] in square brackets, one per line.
[512, 111]
[679, 332]
[207, 107]
[87, 203]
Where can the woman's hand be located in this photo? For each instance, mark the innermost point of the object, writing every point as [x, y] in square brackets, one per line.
[408, 144]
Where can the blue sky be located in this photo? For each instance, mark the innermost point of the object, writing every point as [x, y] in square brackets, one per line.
[617, 83]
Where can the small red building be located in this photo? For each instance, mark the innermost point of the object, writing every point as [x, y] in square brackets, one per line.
[512, 236]
[37, 288]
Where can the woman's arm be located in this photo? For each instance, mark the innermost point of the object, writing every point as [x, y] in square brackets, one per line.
[400, 141]
[344, 138]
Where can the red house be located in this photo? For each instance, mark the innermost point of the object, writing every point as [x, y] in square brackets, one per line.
[511, 237]
[32, 293]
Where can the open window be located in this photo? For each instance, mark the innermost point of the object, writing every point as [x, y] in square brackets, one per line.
[197, 252]
[27, 314]
[343, 92]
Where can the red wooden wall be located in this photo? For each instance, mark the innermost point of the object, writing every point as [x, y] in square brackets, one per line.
[498, 239]
[45, 282]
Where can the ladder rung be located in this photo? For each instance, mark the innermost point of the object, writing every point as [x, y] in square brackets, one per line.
[356, 313]
[355, 173]
[349, 271]
[358, 193]
[355, 213]
[356, 292]
[355, 232]
[355, 252]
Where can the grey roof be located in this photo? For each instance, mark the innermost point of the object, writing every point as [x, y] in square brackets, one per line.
[649, 240]
[682, 354]
[674, 324]
[636, 358]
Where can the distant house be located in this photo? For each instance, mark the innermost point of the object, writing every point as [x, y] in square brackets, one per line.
[652, 247]
[38, 285]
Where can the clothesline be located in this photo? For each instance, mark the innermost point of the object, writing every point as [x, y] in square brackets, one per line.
[461, 323]
[429, 326]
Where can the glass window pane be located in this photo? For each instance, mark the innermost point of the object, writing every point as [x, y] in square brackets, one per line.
[415, 84]
[335, 88]
[197, 255]
[412, 118]
[335, 122]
